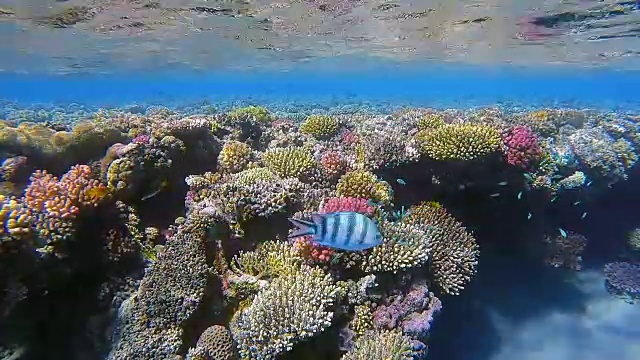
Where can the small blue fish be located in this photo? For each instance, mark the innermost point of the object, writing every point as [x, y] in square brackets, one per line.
[553, 199]
[503, 183]
[562, 232]
[350, 231]
[529, 216]
[577, 203]
[495, 195]
[590, 182]
[401, 182]
[584, 215]
[520, 195]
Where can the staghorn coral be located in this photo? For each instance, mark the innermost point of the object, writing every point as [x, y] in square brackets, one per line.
[522, 148]
[290, 309]
[47, 211]
[387, 345]
[270, 259]
[565, 251]
[290, 162]
[149, 324]
[215, 343]
[320, 126]
[623, 280]
[459, 141]
[362, 319]
[454, 251]
[234, 157]
[403, 246]
[364, 185]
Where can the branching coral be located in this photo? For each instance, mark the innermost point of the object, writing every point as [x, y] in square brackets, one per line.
[364, 185]
[290, 162]
[257, 114]
[291, 309]
[623, 280]
[565, 251]
[320, 126]
[412, 313]
[50, 206]
[454, 251]
[430, 121]
[149, 324]
[235, 156]
[387, 345]
[459, 141]
[522, 148]
[404, 246]
[388, 149]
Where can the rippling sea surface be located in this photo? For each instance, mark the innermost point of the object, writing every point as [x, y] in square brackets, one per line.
[567, 69]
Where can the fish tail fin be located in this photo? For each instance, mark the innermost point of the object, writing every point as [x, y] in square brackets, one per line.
[304, 228]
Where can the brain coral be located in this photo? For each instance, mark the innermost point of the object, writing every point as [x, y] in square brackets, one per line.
[381, 345]
[459, 141]
[320, 126]
[289, 162]
[291, 309]
[454, 251]
[217, 343]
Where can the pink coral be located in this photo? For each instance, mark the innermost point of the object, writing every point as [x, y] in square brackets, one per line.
[522, 147]
[336, 204]
[141, 139]
[349, 138]
[310, 251]
[333, 163]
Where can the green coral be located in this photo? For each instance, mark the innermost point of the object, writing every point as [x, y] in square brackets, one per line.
[289, 310]
[381, 345]
[364, 185]
[320, 126]
[454, 251]
[459, 141]
[290, 162]
[251, 113]
[430, 121]
[253, 175]
[270, 259]
[235, 156]
[404, 246]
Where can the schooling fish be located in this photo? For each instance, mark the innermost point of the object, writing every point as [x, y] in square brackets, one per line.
[401, 182]
[503, 183]
[529, 216]
[584, 215]
[350, 231]
[519, 195]
[562, 232]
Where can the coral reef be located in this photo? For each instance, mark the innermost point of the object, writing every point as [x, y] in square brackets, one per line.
[623, 279]
[565, 250]
[459, 141]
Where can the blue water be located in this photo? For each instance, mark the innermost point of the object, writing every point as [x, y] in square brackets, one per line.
[427, 85]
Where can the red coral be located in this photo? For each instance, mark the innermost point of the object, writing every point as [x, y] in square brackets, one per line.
[522, 147]
[337, 204]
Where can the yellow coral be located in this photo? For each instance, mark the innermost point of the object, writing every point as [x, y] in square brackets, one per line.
[270, 259]
[290, 162]
[430, 121]
[362, 319]
[251, 176]
[235, 156]
[459, 141]
[250, 113]
[320, 126]
[364, 185]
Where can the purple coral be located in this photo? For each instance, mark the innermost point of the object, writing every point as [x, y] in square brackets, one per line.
[522, 147]
[412, 312]
[623, 279]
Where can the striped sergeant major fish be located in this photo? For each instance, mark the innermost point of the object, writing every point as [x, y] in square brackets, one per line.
[349, 231]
